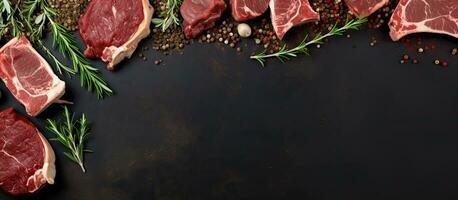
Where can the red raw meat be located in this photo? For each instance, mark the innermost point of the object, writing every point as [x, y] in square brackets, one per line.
[112, 29]
[243, 10]
[27, 159]
[288, 13]
[200, 15]
[364, 8]
[28, 76]
[434, 16]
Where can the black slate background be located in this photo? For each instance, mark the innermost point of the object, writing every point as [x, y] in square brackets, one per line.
[348, 122]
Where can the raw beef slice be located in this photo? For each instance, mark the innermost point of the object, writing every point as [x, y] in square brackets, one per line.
[243, 10]
[434, 16]
[27, 159]
[364, 8]
[28, 76]
[112, 29]
[200, 15]
[288, 13]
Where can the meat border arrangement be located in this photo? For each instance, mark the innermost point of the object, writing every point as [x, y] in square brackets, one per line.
[112, 30]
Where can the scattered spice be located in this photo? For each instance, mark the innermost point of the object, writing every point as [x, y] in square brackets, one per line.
[157, 62]
[264, 35]
[331, 12]
[405, 57]
[69, 12]
[170, 39]
[444, 64]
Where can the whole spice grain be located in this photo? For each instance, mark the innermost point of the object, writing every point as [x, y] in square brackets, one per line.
[170, 39]
[69, 11]
[264, 35]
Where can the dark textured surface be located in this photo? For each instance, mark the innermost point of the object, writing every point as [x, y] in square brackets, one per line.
[348, 122]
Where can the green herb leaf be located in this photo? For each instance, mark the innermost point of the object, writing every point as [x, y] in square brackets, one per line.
[7, 6]
[285, 54]
[20, 19]
[169, 15]
[72, 134]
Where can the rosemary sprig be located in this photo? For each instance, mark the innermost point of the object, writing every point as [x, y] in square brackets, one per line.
[66, 44]
[285, 54]
[169, 15]
[11, 21]
[35, 16]
[72, 134]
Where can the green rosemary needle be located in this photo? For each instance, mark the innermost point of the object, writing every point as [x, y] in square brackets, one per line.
[169, 15]
[33, 17]
[72, 134]
[285, 54]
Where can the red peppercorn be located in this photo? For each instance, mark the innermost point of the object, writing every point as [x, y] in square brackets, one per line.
[444, 64]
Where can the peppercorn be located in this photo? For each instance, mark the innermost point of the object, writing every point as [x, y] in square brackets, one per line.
[444, 64]
[405, 57]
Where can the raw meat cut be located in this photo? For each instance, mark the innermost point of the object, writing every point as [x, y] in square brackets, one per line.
[288, 13]
[27, 159]
[364, 8]
[28, 76]
[200, 15]
[434, 16]
[243, 10]
[112, 29]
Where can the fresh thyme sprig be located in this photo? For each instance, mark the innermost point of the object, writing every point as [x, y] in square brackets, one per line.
[72, 134]
[285, 54]
[169, 15]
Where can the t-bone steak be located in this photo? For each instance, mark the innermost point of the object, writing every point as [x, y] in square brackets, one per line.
[28, 76]
[288, 13]
[112, 29]
[200, 15]
[27, 159]
[243, 10]
[364, 8]
[434, 16]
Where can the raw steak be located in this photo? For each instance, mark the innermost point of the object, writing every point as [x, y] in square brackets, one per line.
[288, 13]
[434, 16]
[200, 15]
[27, 159]
[28, 76]
[243, 10]
[112, 29]
[364, 8]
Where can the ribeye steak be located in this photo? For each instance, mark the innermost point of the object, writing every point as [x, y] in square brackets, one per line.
[28, 76]
[288, 13]
[434, 16]
[27, 159]
[112, 29]
[364, 8]
[200, 15]
[243, 10]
